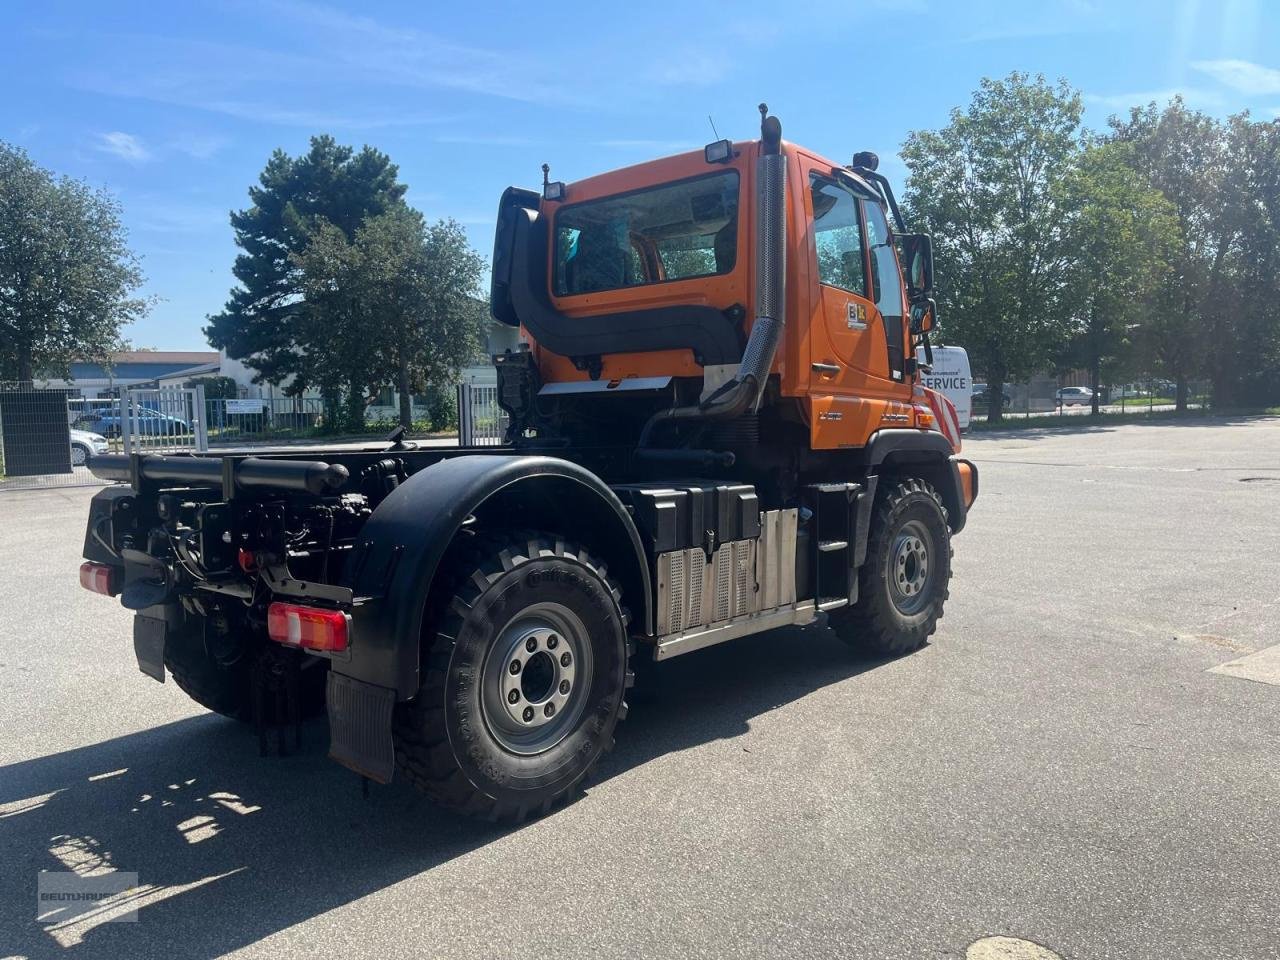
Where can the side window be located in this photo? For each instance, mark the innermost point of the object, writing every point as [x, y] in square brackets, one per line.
[886, 282]
[838, 236]
[886, 285]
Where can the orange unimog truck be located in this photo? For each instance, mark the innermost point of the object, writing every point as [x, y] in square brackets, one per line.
[716, 428]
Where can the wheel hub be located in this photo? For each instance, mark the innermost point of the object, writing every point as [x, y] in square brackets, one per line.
[535, 679]
[540, 675]
[909, 568]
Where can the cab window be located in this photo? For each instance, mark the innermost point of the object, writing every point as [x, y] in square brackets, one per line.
[886, 281]
[886, 284]
[670, 232]
[838, 236]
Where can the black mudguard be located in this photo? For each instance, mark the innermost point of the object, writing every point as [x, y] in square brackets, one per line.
[931, 455]
[401, 546]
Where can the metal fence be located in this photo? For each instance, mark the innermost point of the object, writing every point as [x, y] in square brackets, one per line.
[169, 420]
[481, 422]
[39, 446]
[265, 420]
[1047, 397]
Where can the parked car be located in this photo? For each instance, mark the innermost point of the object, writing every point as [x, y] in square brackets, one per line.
[85, 445]
[981, 398]
[1073, 396]
[148, 422]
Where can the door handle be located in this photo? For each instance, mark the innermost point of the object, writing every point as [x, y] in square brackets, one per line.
[830, 369]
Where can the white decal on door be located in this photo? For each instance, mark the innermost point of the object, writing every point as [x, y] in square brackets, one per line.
[857, 316]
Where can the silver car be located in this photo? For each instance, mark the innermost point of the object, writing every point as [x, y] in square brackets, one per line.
[85, 445]
[1070, 396]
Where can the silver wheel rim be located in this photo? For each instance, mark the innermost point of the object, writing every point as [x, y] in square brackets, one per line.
[911, 568]
[78, 456]
[535, 679]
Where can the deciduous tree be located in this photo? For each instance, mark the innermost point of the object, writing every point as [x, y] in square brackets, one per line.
[67, 276]
[988, 186]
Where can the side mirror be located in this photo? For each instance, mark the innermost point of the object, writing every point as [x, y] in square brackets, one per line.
[917, 256]
[924, 316]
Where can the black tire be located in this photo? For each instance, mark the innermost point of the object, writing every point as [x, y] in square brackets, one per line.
[458, 741]
[83, 452]
[884, 621]
[228, 688]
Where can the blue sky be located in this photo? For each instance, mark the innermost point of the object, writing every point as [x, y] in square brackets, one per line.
[174, 107]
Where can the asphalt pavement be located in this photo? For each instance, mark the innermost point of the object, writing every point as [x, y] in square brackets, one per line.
[1062, 766]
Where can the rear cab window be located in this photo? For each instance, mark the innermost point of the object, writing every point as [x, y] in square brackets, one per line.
[674, 231]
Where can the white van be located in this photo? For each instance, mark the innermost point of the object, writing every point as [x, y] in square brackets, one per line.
[952, 378]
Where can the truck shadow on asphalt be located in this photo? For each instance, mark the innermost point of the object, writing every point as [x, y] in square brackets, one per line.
[230, 847]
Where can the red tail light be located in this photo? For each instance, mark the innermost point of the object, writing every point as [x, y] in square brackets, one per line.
[99, 578]
[308, 627]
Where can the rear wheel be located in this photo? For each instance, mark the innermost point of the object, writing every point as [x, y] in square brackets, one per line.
[524, 672]
[904, 583]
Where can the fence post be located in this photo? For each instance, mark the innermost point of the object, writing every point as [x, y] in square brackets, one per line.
[464, 415]
[126, 417]
[202, 427]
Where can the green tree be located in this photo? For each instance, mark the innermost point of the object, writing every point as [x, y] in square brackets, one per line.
[988, 186]
[1186, 155]
[402, 298]
[67, 276]
[215, 388]
[329, 187]
[1124, 238]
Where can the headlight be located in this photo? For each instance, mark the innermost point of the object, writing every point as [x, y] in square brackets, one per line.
[97, 438]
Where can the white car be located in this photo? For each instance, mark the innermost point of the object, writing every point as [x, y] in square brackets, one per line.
[1070, 396]
[85, 445]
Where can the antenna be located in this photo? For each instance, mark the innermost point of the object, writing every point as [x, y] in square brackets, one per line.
[714, 132]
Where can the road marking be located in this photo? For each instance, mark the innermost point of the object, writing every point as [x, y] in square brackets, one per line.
[1263, 666]
[1008, 948]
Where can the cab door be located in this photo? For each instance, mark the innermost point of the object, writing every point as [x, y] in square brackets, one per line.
[854, 386]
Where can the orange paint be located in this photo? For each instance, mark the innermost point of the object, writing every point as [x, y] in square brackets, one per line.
[825, 324]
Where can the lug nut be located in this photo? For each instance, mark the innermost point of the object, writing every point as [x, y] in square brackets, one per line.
[531, 644]
[515, 667]
[564, 686]
[513, 696]
[528, 714]
[549, 709]
[565, 659]
[552, 642]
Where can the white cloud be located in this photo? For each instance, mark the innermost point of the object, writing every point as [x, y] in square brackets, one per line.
[648, 146]
[123, 145]
[198, 146]
[1242, 75]
[691, 68]
[1193, 96]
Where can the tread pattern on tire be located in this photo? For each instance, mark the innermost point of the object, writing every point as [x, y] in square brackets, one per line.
[426, 760]
[867, 625]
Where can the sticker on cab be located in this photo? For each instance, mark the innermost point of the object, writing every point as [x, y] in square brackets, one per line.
[857, 316]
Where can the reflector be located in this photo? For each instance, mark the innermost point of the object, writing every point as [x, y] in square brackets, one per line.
[98, 577]
[308, 627]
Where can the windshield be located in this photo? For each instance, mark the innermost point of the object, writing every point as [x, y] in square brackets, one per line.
[671, 232]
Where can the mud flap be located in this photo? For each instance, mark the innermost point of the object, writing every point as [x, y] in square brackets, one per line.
[148, 645]
[360, 726]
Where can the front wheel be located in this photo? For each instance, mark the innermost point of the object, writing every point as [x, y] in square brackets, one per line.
[524, 672]
[904, 582]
